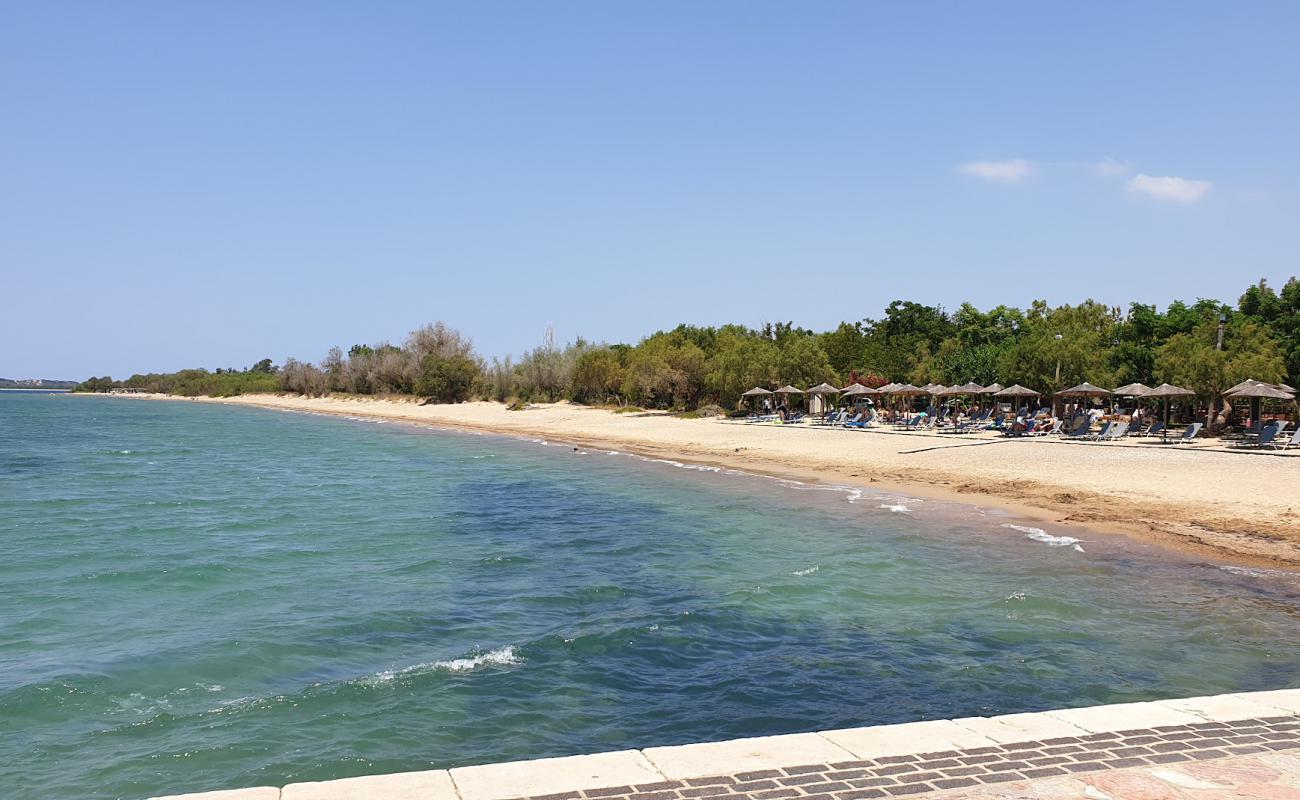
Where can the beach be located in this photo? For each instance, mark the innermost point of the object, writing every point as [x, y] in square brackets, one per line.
[1241, 507]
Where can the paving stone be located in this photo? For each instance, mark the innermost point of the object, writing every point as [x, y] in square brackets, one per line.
[744, 755]
[909, 738]
[1123, 716]
[547, 775]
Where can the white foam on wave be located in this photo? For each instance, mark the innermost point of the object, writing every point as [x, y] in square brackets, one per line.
[502, 656]
[1040, 535]
[897, 508]
[809, 571]
[1257, 572]
[853, 495]
[680, 465]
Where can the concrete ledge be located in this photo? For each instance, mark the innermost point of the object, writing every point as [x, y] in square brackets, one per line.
[429, 785]
[763, 752]
[253, 793]
[653, 766]
[1010, 728]
[907, 739]
[553, 775]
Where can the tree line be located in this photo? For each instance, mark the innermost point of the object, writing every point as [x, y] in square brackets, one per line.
[1206, 346]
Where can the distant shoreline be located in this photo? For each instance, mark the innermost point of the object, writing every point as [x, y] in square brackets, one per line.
[1216, 504]
[32, 389]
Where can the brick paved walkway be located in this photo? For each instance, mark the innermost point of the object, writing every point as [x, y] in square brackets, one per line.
[1249, 748]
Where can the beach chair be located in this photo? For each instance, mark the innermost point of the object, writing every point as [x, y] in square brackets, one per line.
[1189, 433]
[909, 424]
[1294, 441]
[1156, 428]
[1114, 432]
[853, 422]
[1079, 427]
[1266, 436]
[1048, 431]
[1105, 433]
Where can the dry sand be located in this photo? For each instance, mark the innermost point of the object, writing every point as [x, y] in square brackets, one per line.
[1238, 506]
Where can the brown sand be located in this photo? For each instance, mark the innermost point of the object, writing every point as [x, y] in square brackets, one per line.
[1238, 506]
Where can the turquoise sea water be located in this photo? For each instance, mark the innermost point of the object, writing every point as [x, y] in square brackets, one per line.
[198, 596]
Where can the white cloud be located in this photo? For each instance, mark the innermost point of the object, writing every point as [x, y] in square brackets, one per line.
[1178, 190]
[1013, 171]
[1110, 168]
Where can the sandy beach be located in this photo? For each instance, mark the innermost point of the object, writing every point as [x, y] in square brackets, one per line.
[1237, 506]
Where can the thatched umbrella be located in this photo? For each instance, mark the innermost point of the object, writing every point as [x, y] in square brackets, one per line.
[888, 387]
[905, 390]
[1132, 390]
[1166, 391]
[1016, 390]
[1256, 391]
[1084, 389]
[992, 388]
[785, 391]
[755, 393]
[821, 390]
[858, 390]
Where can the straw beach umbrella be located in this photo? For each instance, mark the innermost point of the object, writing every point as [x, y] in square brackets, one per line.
[992, 388]
[755, 393]
[1085, 389]
[1257, 391]
[1166, 391]
[1082, 391]
[1132, 390]
[821, 391]
[1016, 390]
[785, 392]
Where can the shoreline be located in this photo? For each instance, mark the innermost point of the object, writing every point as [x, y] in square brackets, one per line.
[1204, 502]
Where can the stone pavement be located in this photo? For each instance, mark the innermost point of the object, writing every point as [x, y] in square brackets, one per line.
[1210, 748]
[1197, 756]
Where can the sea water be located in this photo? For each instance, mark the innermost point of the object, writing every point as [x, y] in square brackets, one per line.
[197, 596]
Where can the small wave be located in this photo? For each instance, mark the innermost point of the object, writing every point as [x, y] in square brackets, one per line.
[1015, 596]
[809, 571]
[1257, 572]
[897, 508]
[502, 656]
[1040, 535]
[680, 465]
[854, 495]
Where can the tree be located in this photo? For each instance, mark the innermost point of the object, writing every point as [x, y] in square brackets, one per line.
[598, 376]
[447, 379]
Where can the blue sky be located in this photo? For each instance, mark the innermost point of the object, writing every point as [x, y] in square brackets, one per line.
[207, 184]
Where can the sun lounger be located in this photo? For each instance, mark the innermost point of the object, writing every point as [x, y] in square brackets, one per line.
[910, 424]
[1156, 429]
[1189, 433]
[1113, 432]
[853, 422]
[1294, 441]
[1048, 431]
[1079, 427]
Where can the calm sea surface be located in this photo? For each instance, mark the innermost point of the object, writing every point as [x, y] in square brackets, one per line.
[197, 597]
